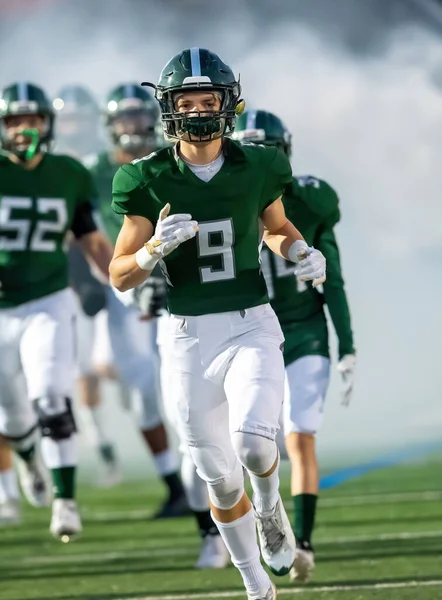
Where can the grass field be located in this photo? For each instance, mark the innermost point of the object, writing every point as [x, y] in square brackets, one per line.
[378, 537]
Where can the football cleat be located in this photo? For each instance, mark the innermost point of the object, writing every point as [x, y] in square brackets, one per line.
[214, 554]
[34, 481]
[10, 513]
[304, 564]
[65, 522]
[270, 595]
[110, 473]
[277, 540]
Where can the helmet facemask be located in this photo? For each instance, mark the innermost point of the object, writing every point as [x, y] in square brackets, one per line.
[26, 142]
[133, 130]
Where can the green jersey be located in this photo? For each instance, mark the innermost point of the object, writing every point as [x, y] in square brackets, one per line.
[313, 206]
[103, 171]
[37, 208]
[218, 270]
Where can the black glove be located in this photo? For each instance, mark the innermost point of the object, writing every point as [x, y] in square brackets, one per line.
[150, 297]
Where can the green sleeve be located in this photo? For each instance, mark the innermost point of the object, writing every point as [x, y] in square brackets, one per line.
[334, 292]
[279, 176]
[129, 194]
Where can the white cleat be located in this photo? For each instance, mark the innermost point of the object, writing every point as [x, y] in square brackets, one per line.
[214, 554]
[34, 481]
[270, 595]
[111, 475]
[10, 513]
[303, 566]
[277, 540]
[65, 522]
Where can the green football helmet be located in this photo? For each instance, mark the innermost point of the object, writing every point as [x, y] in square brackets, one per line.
[197, 69]
[262, 127]
[78, 120]
[132, 117]
[24, 98]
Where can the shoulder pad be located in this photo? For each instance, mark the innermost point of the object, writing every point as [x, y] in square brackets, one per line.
[317, 194]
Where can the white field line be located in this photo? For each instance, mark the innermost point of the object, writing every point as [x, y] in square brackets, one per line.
[300, 590]
[342, 501]
[190, 548]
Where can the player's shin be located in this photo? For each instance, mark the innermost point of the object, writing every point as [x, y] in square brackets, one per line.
[238, 530]
[59, 443]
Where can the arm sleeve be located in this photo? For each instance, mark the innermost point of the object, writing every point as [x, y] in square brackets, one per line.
[129, 195]
[83, 221]
[278, 177]
[334, 292]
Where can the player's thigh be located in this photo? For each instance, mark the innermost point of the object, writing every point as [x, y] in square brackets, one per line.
[47, 346]
[305, 389]
[201, 406]
[84, 330]
[102, 350]
[254, 382]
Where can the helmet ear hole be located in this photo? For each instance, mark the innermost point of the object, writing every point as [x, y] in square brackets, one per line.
[240, 107]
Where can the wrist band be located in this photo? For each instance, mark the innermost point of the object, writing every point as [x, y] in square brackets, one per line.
[145, 260]
[296, 248]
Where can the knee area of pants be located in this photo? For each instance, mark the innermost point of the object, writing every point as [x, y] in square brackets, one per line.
[255, 452]
[226, 493]
[55, 417]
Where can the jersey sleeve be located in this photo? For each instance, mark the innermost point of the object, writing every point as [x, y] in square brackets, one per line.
[129, 196]
[334, 292]
[279, 176]
[320, 198]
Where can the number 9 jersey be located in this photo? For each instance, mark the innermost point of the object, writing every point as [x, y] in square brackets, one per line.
[37, 208]
[219, 270]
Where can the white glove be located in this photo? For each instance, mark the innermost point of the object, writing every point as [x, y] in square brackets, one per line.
[347, 366]
[311, 263]
[170, 232]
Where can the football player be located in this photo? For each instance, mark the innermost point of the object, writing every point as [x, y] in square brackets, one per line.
[200, 208]
[42, 197]
[78, 134]
[300, 311]
[131, 115]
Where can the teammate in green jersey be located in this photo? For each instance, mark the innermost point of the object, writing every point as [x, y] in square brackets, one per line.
[42, 197]
[313, 204]
[226, 364]
[131, 115]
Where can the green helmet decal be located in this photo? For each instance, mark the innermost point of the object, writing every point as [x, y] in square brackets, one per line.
[131, 117]
[262, 127]
[24, 98]
[198, 70]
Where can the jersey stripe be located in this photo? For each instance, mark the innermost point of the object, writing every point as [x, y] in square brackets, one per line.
[195, 63]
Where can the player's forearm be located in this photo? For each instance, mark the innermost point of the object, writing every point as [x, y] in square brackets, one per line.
[280, 240]
[98, 250]
[125, 273]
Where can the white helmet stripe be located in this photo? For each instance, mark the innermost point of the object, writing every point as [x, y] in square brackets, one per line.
[195, 63]
[23, 92]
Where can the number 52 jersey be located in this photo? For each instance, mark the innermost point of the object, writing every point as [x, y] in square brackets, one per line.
[219, 270]
[37, 208]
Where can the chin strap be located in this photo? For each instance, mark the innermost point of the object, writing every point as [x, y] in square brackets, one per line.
[35, 142]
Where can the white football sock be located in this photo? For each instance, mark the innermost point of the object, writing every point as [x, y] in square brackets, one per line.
[61, 453]
[266, 490]
[166, 462]
[8, 486]
[240, 539]
[96, 422]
